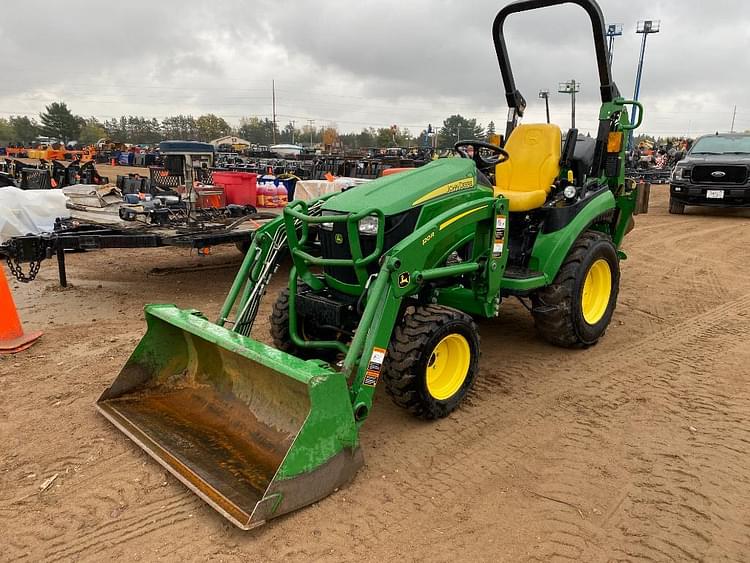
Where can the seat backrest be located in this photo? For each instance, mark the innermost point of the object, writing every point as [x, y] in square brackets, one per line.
[534, 162]
[583, 156]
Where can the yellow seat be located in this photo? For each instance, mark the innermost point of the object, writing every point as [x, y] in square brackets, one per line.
[526, 177]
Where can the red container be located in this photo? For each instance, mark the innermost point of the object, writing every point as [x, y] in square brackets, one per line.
[239, 187]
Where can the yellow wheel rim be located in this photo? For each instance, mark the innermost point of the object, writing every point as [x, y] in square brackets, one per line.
[448, 366]
[597, 289]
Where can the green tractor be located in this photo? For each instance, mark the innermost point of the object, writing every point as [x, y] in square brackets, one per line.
[385, 282]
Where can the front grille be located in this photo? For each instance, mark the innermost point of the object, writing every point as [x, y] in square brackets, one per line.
[719, 174]
[334, 243]
[330, 248]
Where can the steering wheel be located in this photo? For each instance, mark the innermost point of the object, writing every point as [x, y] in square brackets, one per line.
[499, 156]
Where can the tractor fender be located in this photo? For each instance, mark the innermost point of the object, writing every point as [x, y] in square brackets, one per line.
[550, 249]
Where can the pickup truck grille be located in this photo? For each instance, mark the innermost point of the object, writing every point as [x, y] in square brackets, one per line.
[708, 174]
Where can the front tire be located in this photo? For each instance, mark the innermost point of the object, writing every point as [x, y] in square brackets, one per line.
[576, 309]
[432, 361]
[282, 339]
[279, 323]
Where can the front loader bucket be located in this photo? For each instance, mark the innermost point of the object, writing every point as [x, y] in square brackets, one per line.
[253, 431]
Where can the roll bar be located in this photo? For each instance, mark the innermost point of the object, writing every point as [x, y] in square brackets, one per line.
[515, 100]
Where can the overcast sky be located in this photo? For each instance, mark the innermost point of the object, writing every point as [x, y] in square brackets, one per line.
[368, 63]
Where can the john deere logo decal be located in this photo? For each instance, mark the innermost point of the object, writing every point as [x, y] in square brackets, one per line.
[339, 238]
[403, 279]
[458, 185]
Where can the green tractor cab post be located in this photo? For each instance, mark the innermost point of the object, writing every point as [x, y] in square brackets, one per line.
[386, 279]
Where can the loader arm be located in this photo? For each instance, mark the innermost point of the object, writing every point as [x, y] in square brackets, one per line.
[260, 263]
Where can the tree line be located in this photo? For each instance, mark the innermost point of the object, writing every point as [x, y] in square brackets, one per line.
[57, 121]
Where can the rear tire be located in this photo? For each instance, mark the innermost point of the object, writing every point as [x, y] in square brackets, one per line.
[576, 309]
[676, 207]
[432, 361]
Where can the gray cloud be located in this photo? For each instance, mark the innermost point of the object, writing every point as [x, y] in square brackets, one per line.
[367, 63]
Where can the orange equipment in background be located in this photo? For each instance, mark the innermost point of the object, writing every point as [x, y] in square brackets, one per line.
[389, 171]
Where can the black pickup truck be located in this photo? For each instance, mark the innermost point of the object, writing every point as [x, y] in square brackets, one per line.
[713, 173]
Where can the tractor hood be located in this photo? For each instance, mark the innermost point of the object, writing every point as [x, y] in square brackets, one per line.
[399, 192]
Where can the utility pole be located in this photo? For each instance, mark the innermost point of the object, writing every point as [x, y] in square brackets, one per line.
[613, 30]
[273, 102]
[292, 122]
[570, 87]
[734, 115]
[545, 95]
[644, 27]
[311, 122]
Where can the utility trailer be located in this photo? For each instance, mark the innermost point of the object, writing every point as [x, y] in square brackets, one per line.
[181, 222]
[25, 254]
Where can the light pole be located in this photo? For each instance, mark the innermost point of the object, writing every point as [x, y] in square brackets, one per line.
[613, 30]
[645, 27]
[311, 122]
[570, 87]
[545, 95]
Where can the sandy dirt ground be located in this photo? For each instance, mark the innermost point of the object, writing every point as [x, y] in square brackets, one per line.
[638, 448]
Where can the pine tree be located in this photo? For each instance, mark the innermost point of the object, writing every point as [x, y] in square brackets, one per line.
[490, 129]
[59, 122]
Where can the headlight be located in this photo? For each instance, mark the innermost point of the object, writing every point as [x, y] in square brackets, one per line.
[326, 226]
[570, 192]
[368, 225]
[678, 173]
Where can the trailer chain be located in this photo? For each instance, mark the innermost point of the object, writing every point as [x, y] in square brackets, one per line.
[15, 257]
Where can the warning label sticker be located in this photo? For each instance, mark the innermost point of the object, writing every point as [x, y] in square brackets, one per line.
[374, 367]
[497, 248]
[371, 378]
[377, 356]
[500, 227]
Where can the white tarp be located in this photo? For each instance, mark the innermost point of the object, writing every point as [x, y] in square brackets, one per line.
[308, 190]
[25, 212]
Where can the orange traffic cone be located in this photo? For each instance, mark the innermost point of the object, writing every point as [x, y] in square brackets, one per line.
[12, 338]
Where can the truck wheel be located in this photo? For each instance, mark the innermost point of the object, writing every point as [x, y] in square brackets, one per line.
[432, 361]
[575, 309]
[676, 207]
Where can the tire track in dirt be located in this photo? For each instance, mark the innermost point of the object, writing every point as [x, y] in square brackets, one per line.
[671, 236]
[491, 455]
[107, 504]
[146, 519]
[654, 490]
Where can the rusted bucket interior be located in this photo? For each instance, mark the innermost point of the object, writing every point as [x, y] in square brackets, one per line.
[216, 419]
